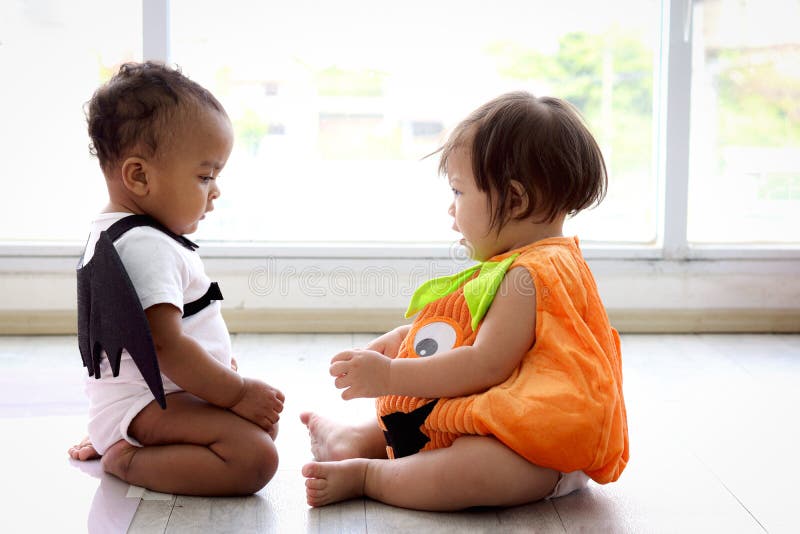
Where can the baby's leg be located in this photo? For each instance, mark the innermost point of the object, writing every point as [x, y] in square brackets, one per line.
[83, 451]
[194, 448]
[334, 441]
[474, 471]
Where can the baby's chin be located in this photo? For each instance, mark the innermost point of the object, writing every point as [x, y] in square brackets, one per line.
[470, 250]
[476, 255]
[192, 228]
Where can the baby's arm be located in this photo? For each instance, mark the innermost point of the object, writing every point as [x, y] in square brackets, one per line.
[506, 334]
[389, 343]
[190, 366]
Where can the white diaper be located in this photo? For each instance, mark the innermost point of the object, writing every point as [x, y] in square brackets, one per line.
[569, 482]
[113, 408]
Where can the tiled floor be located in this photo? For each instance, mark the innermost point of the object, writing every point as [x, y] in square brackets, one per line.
[713, 424]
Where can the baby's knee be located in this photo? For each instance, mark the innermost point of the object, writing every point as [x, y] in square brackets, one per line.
[260, 462]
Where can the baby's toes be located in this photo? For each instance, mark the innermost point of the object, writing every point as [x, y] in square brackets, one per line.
[87, 453]
[316, 484]
[316, 497]
[313, 470]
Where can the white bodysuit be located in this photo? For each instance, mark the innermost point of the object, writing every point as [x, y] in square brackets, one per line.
[162, 271]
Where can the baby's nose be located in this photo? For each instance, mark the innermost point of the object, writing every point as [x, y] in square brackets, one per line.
[214, 193]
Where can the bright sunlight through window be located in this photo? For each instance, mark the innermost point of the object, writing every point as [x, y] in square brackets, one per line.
[336, 105]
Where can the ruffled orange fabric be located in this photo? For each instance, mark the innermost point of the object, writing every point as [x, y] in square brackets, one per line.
[563, 407]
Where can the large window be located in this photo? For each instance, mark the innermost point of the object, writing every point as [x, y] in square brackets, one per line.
[336, 104]
[745, 151]
[52, 57]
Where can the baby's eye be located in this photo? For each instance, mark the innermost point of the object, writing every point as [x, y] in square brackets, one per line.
[433, 338]
[456, 192]
[205, 179]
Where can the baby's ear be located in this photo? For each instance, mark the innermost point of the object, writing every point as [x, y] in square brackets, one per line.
[134, 175]
[518, 199]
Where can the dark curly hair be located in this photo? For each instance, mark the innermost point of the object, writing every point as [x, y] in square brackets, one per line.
[540, 142]
[134, 108]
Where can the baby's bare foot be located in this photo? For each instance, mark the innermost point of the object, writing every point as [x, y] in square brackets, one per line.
[330, 482]
[83, 451]
[330, 440]
[117, 459]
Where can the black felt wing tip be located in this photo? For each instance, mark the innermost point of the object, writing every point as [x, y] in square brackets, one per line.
[110, 317]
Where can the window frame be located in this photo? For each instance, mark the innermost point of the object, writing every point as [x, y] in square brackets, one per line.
[672, 122]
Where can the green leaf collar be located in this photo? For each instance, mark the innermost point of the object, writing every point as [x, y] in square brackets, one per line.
[478, 292]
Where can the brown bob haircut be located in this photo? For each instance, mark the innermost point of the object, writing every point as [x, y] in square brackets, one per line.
[137, 109]
[540, 142]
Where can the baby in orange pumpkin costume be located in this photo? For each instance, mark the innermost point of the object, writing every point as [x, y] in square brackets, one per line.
[563, 406]
[507, 388]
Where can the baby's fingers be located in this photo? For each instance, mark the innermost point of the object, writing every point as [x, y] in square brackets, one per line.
[275, 417]
[273, 403]
[350, 393]
[343, 356]
[339, 368]
[279, 398]
[277, 406]
[342, 381]
[269, 419]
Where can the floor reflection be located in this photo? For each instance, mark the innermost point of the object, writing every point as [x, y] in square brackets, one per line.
[111, 509]
[44, 490]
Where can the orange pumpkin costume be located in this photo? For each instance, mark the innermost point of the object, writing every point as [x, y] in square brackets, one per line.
[562, 408]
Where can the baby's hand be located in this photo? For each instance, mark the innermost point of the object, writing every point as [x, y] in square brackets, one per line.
[389, 343]
[260, 403]
[361, 373]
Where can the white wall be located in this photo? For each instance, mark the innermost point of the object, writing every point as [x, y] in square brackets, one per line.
[343, 294]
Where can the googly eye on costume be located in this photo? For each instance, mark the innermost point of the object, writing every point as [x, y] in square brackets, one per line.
[435, 337]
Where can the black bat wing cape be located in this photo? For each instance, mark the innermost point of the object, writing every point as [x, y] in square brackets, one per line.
[110, 315]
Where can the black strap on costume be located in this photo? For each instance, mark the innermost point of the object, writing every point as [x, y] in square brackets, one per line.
[116, 230]
[195, 306]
